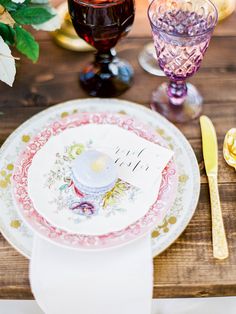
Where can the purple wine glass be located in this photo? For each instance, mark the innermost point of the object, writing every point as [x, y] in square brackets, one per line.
[181, 31]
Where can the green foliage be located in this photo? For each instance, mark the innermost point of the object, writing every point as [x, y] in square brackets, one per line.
[26, 44]
[31, 15]
[7, 33]
[30, 12]
[39, 1]
[9, 5]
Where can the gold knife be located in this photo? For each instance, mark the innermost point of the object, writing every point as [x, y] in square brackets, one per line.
[210, 154]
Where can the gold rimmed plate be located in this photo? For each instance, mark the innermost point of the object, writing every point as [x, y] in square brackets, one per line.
[176, 219]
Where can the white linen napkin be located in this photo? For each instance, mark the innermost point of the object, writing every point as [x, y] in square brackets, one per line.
[111, 281]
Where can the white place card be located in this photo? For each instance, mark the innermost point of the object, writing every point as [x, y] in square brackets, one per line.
[139, 162]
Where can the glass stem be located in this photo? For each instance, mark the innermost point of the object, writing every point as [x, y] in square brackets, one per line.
[103, 58]
[177, 91]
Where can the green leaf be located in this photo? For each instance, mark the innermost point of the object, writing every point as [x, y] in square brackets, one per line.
[31, 15]
[8, 4]
[39, 1]
[7, 33]
[26, 43]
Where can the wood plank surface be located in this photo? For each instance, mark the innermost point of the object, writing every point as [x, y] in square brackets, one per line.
[187, 268]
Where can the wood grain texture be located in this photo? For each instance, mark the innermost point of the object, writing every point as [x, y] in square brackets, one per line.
[187, 268]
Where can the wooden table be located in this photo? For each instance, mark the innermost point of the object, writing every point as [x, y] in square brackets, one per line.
[187, 268]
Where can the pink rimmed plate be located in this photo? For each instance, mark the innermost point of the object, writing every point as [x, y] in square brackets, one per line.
[43, 227]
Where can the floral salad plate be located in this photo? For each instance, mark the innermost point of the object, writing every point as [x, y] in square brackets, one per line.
[51, 204]
[167, 222]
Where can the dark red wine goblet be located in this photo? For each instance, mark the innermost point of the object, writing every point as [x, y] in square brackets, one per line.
[101, 23]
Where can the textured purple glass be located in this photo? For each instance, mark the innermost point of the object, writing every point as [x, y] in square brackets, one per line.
[181, 31]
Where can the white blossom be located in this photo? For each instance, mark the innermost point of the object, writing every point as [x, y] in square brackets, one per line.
[18, 1]
[7, 64]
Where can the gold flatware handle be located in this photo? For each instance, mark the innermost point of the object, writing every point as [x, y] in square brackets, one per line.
[220, 246]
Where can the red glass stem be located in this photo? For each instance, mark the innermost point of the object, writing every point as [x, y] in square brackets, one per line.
[177, 92]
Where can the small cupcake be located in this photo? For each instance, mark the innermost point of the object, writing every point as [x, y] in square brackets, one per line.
[94, 173]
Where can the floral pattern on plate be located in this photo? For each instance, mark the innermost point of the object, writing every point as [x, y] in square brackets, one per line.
[177, 217]
[57, 235]
[59, 180]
